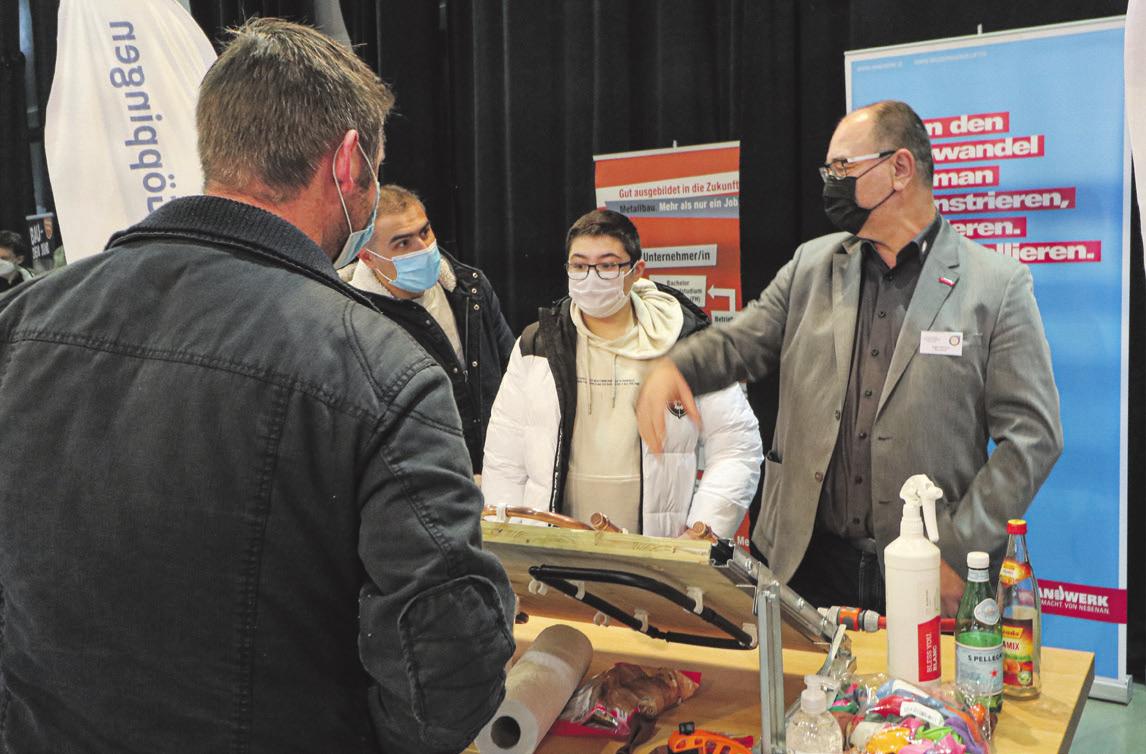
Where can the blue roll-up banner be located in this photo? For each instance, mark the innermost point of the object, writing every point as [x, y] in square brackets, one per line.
[1032, 161]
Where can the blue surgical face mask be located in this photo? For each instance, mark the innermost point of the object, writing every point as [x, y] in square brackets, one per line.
[415, 272]
[357, 238]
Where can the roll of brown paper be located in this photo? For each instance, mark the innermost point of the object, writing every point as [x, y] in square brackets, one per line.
[536, 690]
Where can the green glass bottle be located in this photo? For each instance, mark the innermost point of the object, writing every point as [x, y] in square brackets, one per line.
[979, 636]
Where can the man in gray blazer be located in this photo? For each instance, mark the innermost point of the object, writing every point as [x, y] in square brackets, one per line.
[902, 348]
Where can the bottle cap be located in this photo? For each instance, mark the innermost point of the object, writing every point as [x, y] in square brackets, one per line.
[813, 700]
[1016, 526]
[979, 560]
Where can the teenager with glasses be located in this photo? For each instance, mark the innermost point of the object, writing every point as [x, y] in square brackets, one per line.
[563, 433]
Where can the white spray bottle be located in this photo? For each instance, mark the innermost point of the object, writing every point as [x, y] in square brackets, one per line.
[911, 567]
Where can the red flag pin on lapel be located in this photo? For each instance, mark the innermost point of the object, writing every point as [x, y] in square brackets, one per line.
[947, 282]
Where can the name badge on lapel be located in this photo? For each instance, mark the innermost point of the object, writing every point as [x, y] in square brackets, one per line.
[941, 343]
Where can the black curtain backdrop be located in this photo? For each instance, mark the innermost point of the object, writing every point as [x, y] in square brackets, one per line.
[501, 106]
[16, 194]
[541, 87]
[216, 15]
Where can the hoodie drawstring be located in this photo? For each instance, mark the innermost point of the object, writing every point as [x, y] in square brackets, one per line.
[614, 380]
[589, 377]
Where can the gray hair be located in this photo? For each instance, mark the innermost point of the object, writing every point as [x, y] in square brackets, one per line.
[897, 126]
[280, 97]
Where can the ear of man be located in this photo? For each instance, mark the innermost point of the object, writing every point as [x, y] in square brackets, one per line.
[344, 172]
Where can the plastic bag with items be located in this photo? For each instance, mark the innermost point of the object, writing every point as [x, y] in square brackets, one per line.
[881, 716]
[608, 700]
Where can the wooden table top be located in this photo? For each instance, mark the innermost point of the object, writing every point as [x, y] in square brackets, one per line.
[729, 697]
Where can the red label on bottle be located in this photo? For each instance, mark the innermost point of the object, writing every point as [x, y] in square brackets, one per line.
[1013, 572]
[929, 665]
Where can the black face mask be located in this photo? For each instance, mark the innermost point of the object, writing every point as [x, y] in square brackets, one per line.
[840, 205]
[840, 202]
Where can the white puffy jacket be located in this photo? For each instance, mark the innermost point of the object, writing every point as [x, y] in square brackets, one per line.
[527, 442]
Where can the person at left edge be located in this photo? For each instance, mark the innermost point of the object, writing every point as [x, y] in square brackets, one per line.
[448, 307]
[13, 252]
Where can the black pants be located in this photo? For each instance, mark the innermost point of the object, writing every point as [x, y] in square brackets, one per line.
[834, 572]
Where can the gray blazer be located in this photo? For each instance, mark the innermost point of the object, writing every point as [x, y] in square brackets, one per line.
[936, 414]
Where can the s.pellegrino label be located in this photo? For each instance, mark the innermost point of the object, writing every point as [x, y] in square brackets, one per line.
[979, 639]
[980, 667]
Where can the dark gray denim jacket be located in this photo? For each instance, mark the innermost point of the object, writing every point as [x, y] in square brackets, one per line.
[236, 513]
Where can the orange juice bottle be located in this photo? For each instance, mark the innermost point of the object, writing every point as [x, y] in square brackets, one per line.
[1022, 616]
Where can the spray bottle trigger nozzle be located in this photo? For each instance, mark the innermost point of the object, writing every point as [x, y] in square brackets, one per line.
[929, 495]
[921, 493]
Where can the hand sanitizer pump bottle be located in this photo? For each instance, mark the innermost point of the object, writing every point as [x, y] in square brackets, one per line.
[812, 729]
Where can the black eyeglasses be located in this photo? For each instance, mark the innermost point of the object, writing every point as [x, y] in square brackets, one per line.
[604, 270]
[837, 169]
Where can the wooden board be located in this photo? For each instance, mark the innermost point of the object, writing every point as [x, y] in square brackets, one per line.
[729, 693]
[679, 563]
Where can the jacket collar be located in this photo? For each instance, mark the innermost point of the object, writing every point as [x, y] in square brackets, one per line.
[465, 278]
[447, 276]
[926, 240]
[223, 222]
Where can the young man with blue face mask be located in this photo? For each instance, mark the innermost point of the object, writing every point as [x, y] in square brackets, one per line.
[448, 307]
[563, 436]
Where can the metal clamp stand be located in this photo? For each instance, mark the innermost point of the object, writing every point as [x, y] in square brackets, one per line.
[767, 609]
[728, 596]
[766, 606]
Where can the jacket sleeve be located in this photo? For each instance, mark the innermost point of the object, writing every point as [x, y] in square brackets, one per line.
[747, 348]
[732, 457]
[436, 612]
[1022, 418]
[503, 465]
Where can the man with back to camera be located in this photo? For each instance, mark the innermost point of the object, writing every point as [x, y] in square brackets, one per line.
[265, 537]
[563, 434]
[448, 307]
[13, 252]
[902, 348]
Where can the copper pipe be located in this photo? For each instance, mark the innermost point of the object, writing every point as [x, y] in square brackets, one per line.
[701, 530]
[554, 519]
[600, 522]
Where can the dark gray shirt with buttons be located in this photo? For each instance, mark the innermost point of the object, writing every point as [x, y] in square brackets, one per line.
[885, 293]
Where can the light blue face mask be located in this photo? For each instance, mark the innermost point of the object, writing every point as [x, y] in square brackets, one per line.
[357, 238]
[415, 272]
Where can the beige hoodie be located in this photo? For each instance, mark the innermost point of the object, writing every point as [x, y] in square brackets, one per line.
[605, 455]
